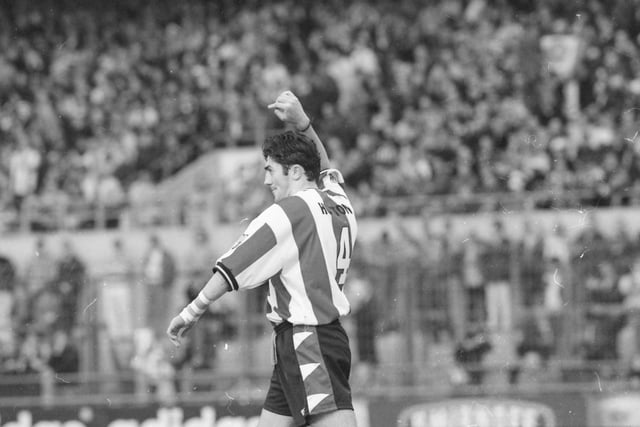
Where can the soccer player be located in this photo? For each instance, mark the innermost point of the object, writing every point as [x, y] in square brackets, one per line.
[300, 247]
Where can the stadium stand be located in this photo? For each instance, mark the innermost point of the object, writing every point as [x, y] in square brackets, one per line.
[110, 112]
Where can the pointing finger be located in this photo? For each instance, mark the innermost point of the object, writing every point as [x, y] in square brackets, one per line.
[278, 105]
[175, 340]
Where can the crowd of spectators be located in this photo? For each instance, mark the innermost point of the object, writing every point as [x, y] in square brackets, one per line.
[552, 294]
[39, 329]
[61, 313]
[559, 295]
[412, 98]
[100, 101]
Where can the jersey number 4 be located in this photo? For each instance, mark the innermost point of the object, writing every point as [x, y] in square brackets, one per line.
[344, 256]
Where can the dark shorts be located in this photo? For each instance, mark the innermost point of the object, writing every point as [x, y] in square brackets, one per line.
[311, 375]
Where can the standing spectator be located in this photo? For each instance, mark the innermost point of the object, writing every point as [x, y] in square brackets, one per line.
[7, 273]
[123, 300]
[365, 314]
[70, 281]
[40, 272]
[202, 343]
[383, 262]
[473, 280]
[7, 301]
[199, 256]
[41, 267]
[23, 172]
[603, 316]
[530, 251]
[120, 262]
[435, 270]
[158, 275]
[496, 262]
[629, 286]
[555, 295]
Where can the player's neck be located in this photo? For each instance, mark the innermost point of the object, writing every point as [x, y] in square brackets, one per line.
[303, 185]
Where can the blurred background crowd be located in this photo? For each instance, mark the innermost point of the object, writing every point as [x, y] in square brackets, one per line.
[102, 101]
[98, 102]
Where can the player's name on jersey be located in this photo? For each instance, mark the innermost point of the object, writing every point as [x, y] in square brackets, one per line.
[335, 210]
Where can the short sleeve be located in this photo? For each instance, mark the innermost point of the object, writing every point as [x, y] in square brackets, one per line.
[256, 256]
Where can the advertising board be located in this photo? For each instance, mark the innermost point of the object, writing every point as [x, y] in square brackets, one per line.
[512, 410]
[614, 409]
[230, 414]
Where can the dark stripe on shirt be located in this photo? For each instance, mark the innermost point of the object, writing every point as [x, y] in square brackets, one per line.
[283, 297]
[311, 257]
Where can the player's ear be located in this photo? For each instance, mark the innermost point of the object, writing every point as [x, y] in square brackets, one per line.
[297, 172]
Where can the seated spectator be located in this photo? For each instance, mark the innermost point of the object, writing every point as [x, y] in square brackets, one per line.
[153, 366]
[64, 358]
[471, 351]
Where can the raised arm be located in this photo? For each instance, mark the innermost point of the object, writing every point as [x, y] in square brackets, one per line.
[289, 109]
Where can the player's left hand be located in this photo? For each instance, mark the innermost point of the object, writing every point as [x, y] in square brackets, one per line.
[177, 328]
[289, 109]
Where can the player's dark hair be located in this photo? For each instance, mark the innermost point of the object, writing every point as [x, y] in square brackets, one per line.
[293, 148]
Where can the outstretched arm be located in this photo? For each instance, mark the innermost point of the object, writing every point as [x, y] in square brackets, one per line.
[213, 290]
[289, 109]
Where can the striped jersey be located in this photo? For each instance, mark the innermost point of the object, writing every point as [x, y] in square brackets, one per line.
[301, 248]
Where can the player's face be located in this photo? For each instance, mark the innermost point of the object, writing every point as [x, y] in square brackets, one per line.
[276, 180]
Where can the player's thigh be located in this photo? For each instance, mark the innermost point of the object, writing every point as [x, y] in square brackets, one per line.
[341, 417]
[270, 419]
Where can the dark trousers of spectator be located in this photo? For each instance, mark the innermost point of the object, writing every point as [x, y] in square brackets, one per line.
[476, 305]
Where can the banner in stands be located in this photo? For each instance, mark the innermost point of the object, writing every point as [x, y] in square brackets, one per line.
[614, 409]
